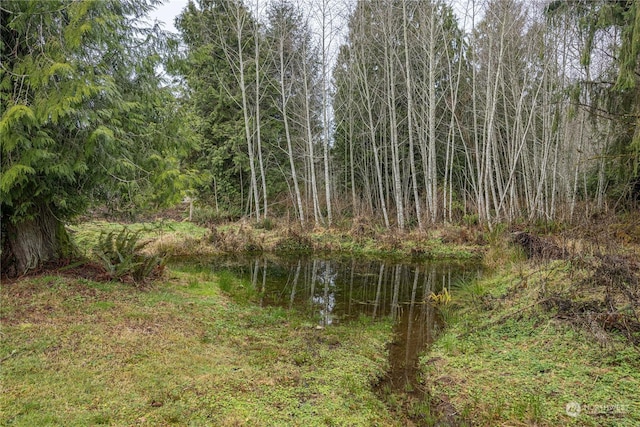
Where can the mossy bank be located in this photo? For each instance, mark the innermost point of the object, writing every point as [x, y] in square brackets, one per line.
[549, 340]
[543, 342]
[174, 238]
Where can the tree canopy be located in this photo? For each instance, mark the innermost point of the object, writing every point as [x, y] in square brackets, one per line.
[84, 116]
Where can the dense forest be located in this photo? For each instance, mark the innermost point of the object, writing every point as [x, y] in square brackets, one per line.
[408, 113]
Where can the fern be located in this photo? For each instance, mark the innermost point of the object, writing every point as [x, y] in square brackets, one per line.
[121, 257]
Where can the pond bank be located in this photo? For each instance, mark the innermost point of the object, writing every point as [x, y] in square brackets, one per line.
[77, 352]
[330, 291]
[541, 342]
[177, 239]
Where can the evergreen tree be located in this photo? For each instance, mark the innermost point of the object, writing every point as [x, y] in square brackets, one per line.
[82, 116]
[210, 36]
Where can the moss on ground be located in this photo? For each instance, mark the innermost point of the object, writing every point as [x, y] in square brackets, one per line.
[76, 352]
[508, 357]
[520, 344]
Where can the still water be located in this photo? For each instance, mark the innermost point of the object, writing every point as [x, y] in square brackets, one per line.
[332, 291]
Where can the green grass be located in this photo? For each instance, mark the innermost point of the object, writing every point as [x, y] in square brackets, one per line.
[185, 238]
[505, 360]
[86, 235]
[76, 352]
[389, 244]
[194, 350]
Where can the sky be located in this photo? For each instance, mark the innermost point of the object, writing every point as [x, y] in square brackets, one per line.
[167, 12]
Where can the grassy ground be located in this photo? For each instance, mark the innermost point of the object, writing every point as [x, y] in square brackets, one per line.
[161, 236]
[184, 238]
[191, 348]
[522, 343]
[535, 336]
[76, 352]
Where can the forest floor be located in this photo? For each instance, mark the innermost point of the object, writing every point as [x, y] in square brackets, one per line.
[552, 322]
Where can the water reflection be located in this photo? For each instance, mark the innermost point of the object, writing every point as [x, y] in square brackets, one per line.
[332, 291]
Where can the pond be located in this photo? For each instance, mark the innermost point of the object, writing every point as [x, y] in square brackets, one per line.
[330, 291]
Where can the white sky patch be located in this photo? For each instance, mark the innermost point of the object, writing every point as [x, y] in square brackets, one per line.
[166, 13]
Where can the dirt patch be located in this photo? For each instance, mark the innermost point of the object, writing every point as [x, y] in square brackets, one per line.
[441, 411]
[83, 269]
[447, 413]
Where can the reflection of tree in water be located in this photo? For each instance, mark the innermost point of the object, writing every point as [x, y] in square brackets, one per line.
[330, 291]
[343, 290]
[325, 296]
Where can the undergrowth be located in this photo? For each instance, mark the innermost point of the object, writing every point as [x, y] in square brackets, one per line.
[120, 254]
[179, 239]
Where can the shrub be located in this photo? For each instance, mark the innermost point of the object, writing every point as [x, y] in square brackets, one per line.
[470, 220]
[294, 242]
[239, 240]
[207, 215]
[120, 254]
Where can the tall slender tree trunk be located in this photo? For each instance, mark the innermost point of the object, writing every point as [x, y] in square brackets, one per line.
[432, 190]
[393, 131]
[371, 126]
[317, 215]
[352, 168]
[245, 112]
[285, 118]
[258, 118]
[325, 112]
[410, 112]
[602, 183]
